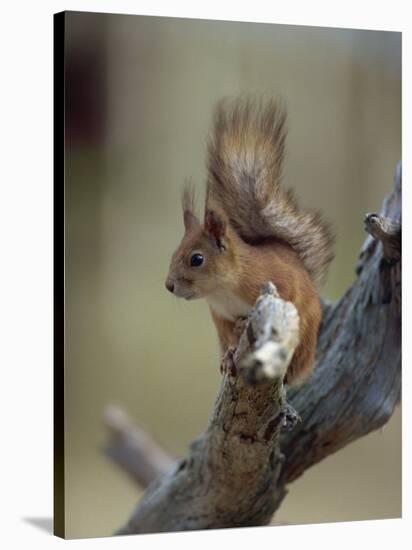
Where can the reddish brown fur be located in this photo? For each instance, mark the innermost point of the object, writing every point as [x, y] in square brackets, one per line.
[245, 160]
[253, 231]
[277, 262]
[242, 269]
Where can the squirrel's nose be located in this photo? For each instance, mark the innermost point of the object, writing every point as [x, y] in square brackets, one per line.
[170, 286]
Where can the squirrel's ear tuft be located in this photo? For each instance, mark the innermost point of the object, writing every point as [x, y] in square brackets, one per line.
[215, 227]
[188, 204]
[189, 219]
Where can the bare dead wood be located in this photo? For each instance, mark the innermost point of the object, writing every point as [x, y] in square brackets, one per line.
[133, 449]
[357, 382]
[237, 472]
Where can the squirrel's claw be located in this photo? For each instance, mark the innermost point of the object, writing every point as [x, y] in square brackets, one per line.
[227, 364]
[240, 325]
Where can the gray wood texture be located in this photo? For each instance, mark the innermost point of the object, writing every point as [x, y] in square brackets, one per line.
[261, 435]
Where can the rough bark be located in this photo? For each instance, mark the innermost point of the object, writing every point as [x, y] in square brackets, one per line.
[237, 472]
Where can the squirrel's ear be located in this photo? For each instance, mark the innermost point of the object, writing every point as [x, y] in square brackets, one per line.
[189, 219]
[215, 227]
[188, 199]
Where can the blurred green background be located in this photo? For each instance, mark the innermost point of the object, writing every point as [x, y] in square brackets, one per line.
[139, 97]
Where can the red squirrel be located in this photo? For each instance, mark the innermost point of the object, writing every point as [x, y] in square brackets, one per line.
[253, 230]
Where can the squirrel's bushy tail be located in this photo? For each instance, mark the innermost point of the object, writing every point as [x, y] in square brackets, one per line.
[245, 156]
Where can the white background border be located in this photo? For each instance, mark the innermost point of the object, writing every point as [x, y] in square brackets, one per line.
[26, 118]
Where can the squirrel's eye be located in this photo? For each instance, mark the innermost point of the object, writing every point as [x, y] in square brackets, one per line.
[196, 260]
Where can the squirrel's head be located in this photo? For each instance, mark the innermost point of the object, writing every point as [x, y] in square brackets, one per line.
[202, 262]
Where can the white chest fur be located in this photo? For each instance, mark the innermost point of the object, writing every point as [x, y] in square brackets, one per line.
[227, 305]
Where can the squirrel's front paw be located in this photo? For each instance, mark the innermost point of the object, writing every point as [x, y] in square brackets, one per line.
[240, 326]
[227, 364]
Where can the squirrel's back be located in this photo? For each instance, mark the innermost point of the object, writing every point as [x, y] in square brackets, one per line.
[245, 155]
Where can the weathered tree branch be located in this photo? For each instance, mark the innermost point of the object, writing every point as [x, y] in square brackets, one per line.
[133, 449]
[237, 472]
[357, 382]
